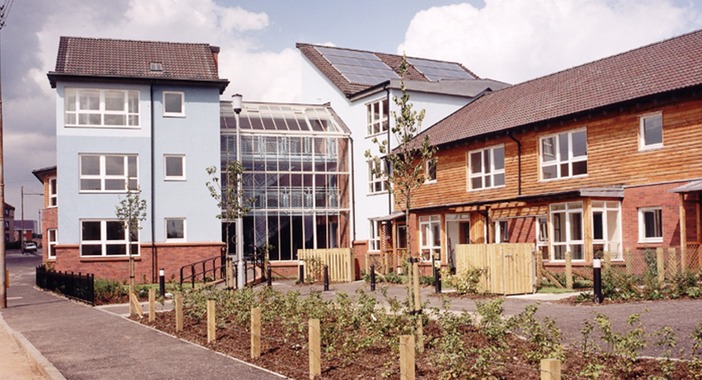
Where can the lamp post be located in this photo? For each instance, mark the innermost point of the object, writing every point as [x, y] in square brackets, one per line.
[240, 281]
[22, 224]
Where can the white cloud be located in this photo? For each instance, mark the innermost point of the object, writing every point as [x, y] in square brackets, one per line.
[515, 40]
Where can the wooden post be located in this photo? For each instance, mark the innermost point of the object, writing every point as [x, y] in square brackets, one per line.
[588, 253]
[607, 259]
[134, 305]
[315, 349]
[673, 262]
[179, 311]
[660, 265]
[417, 306]
[211, 325]
[407, 357]
[538, 262]
[569, 270]
[255, 332]
[152, 304]
[550, 369]
[628, 261]
[683, 230]
[229, 273]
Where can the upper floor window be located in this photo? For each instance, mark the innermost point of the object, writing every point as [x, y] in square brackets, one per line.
[564, 155]
[430, 171]
[377, 181]
[486, 168]
[53, 192]
[378, 117]
[173, 103]
[174, 166]
[101, 108]
[651, 225]
[108, 173]
[651, 131]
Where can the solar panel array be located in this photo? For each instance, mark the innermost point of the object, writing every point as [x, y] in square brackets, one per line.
[358, 67]
[436, 70]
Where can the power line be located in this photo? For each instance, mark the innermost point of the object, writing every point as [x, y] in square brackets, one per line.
[5, 11]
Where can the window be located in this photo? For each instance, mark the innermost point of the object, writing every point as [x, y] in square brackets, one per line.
[501, 231]
[51, 239]
[430, 171]
[108, 173]
[486, 168]
[606, 230]
[173, 103]
[175, 167]
[564, 155]
[377, 182]
[175, 229]
[53, 192]
[651, 132]
[650, 225]
[542, 236]
[101, 108]
[374, 241]
[567, 230]
[430, 237]
[106, 238]
[378, 117]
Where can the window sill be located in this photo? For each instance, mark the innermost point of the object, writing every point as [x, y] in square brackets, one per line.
[430, 182]
[175, 179]
[103, 126]
[486, 188]
[384, 192]
[376, 134]
[644, 242]
[652, 148]
[563, 178]
[175, 115]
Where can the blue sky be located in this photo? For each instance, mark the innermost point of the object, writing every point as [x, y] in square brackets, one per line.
[508, 40]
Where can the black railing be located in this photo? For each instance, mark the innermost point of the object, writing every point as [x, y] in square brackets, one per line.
[76, 286]
[207, 270]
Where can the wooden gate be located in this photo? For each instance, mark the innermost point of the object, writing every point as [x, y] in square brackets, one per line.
[509, 267]
[339, 260]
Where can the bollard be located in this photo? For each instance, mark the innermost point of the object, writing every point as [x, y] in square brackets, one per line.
[162, 282]
[269, 278]
[301, 271]
[597, 280]
[437, 276]
[326, 277]
[372, 277]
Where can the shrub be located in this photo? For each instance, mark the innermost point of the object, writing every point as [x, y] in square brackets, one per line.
[107, 291]
[465, 281]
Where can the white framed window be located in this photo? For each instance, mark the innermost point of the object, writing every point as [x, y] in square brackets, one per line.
[606, 228]
[651, 131]
[101, 108]
[377, 181]
[173, 103]
[175, 229]
[430, 237]
[567, 230]
[108, 173]
[651, 225]
[501, 231]
[378, 117]
[106, 238]
[51, 240]
[542, 236]
[374, 240]
[486, 168]
[53, 192]
[174, 167]
[564, 155]
[430, 171]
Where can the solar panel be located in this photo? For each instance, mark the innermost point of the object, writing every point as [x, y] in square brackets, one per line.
[437, 70]
[357, 66]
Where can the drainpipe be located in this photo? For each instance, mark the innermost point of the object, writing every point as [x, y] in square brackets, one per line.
[154, 256]
[387, 94]
[353, 194]
[519, 163]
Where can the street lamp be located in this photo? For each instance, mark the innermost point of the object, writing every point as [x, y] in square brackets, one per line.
[240, 283]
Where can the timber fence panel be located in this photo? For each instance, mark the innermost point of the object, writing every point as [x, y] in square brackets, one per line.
[339, 260]
[508, 267]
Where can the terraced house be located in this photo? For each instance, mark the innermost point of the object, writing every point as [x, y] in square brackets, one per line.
[601, 157]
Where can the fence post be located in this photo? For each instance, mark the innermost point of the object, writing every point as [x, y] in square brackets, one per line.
[211, 326]
[550, 369]
[179, 311]
[660, 265]
[407, 357]
[315, 348]
[569, 270]
[255, 332]
[152, 304]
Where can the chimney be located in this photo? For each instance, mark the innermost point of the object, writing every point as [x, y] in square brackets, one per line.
[215, 55]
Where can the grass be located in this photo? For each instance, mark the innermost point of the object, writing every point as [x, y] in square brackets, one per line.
[555, 290]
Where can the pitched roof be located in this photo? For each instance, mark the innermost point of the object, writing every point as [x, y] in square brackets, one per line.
[415, 71]
[661, 67]
[128, 59]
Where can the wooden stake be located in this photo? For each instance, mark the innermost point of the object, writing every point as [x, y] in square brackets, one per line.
[152, 304]
[211, 326]
[569, 270]
[255, 332]
[418, 307]
[135, 306]
[407, 357]
[315, 349]
[550, 369]
[179, 311]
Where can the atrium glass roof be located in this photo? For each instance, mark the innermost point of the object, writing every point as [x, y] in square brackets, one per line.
[357, 66]
[279, 117]
[436, 70]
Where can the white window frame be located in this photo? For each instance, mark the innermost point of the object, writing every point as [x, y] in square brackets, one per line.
[430, 237]
[485, 174]
[76, 113]
[104, 242]
[642, 225]
[642, 131]
[51, 242]
[374, 238]
[182, 176]
[180, 113]
[430, 170]
[567, 211]
[607, 207]
[501, 231]
[377, 122]
[53, 192]
[131, 180]
[557, 160]
[375, 178]
[185, 229]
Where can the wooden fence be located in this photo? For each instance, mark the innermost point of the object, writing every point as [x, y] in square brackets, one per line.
[339, 260]
[509, 267]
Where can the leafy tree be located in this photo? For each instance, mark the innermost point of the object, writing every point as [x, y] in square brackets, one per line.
[227, 194]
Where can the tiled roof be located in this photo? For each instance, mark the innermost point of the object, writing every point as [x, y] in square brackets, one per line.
[654, 69]
[348, 88]
[108, 58]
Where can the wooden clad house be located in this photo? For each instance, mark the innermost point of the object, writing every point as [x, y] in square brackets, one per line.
[601, 157]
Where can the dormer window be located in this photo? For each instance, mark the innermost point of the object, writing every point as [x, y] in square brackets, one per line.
[156, 66]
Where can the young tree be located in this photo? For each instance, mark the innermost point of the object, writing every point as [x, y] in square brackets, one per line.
[228, 195]
[131, 211]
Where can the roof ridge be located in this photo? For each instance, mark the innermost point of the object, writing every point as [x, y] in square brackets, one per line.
[133, 41]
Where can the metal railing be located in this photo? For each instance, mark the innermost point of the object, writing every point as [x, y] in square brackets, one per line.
[204, 271]
[76, 286]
